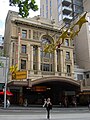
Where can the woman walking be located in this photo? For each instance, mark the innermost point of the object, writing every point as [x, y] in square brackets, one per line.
[48, 106]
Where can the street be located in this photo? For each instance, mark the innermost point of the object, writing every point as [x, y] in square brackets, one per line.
[62, 116]
[40, 114]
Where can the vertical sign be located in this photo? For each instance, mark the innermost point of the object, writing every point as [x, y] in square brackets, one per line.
[17, 51]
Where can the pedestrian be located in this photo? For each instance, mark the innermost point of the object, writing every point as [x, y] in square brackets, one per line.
[8, 103]
[45, 101]
[25, 103]
[48, 106]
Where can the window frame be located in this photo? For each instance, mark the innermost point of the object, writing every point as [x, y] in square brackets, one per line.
[22, 65]
[24, 33]
[24, 50]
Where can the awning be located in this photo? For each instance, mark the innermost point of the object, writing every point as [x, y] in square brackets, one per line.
[7, 93]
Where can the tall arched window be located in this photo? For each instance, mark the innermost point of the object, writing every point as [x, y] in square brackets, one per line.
[46, 58]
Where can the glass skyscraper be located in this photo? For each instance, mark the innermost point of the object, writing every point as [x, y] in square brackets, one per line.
[61, 10]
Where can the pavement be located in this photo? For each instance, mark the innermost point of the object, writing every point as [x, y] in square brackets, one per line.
[41, 109]
[39, 113]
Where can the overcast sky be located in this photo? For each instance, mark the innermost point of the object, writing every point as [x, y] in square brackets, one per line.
[4, 7]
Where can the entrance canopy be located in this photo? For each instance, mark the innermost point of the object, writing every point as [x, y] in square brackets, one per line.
[44, 80]
[56, 79]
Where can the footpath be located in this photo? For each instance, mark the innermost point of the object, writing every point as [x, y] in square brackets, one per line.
[41, 109]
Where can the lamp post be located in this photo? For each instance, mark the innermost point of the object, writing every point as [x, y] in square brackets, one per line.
[5, 87]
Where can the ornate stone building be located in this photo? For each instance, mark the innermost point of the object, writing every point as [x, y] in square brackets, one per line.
[48, 75]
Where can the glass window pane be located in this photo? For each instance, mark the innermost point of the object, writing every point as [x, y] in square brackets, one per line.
[23, 64]
[68, 69]
[66, 42]
[23, 48]
[67, 55]
[24, 33]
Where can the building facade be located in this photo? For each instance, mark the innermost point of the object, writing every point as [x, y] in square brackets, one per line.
[81, 43]
[48, 75]
[3, 71]
[61, 10]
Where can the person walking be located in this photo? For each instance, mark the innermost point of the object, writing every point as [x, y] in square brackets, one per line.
[45, 101]
[48, 106]
[8, 103]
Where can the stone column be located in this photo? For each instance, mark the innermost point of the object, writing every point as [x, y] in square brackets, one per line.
[39, 61]
[62, 65]
[11, 53]
[55, 62]
[63, 61]
[28, 52]
[31, 60]
[72, 64]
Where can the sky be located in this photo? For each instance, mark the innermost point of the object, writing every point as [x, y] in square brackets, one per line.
[4, 7]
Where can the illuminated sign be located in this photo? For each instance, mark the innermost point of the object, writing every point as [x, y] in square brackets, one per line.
[20, 75]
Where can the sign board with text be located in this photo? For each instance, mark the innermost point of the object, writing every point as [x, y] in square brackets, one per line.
[20, 75]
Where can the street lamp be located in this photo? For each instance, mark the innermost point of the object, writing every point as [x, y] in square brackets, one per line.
[5, 87]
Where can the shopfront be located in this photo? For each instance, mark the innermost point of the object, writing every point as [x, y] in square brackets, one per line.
[58, 89]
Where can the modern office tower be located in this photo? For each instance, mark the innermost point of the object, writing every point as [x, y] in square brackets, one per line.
[61, 10]
[86, 5]
[77, 6]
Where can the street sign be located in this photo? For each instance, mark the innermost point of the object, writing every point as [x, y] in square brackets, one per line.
[20, 75]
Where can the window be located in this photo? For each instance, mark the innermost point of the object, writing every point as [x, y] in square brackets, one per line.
[50, 3]
[13, 47]
[1, 64]
[89, 26]
[46, 67]
[24, 33]
[67, 55]
[59, 17]
[12, 61]
[58, 2]
[34, 65]
[23, 48]
[79, 76]
[23, 64]
[46, 14]
[36, 35]
[43, 10]
[29, 33]
[87, 75]
[34, 51]
[66, 42]
[68, 69]
[50, 9]
[46, 1]
[46, 8]
[59, 9]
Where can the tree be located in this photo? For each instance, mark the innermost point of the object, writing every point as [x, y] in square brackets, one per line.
[24, 6]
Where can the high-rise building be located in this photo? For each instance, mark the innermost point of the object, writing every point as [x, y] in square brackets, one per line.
[82, 41]
[61, 10]
[86, 5]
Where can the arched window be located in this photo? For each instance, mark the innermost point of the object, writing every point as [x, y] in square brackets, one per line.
[46, 58]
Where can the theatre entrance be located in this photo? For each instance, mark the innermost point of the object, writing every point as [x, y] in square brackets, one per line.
[58, 91]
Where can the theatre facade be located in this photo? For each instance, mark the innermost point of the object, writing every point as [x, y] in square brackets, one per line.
[39, 75]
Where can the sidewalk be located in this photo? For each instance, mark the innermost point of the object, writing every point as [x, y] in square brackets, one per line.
[38, 109]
